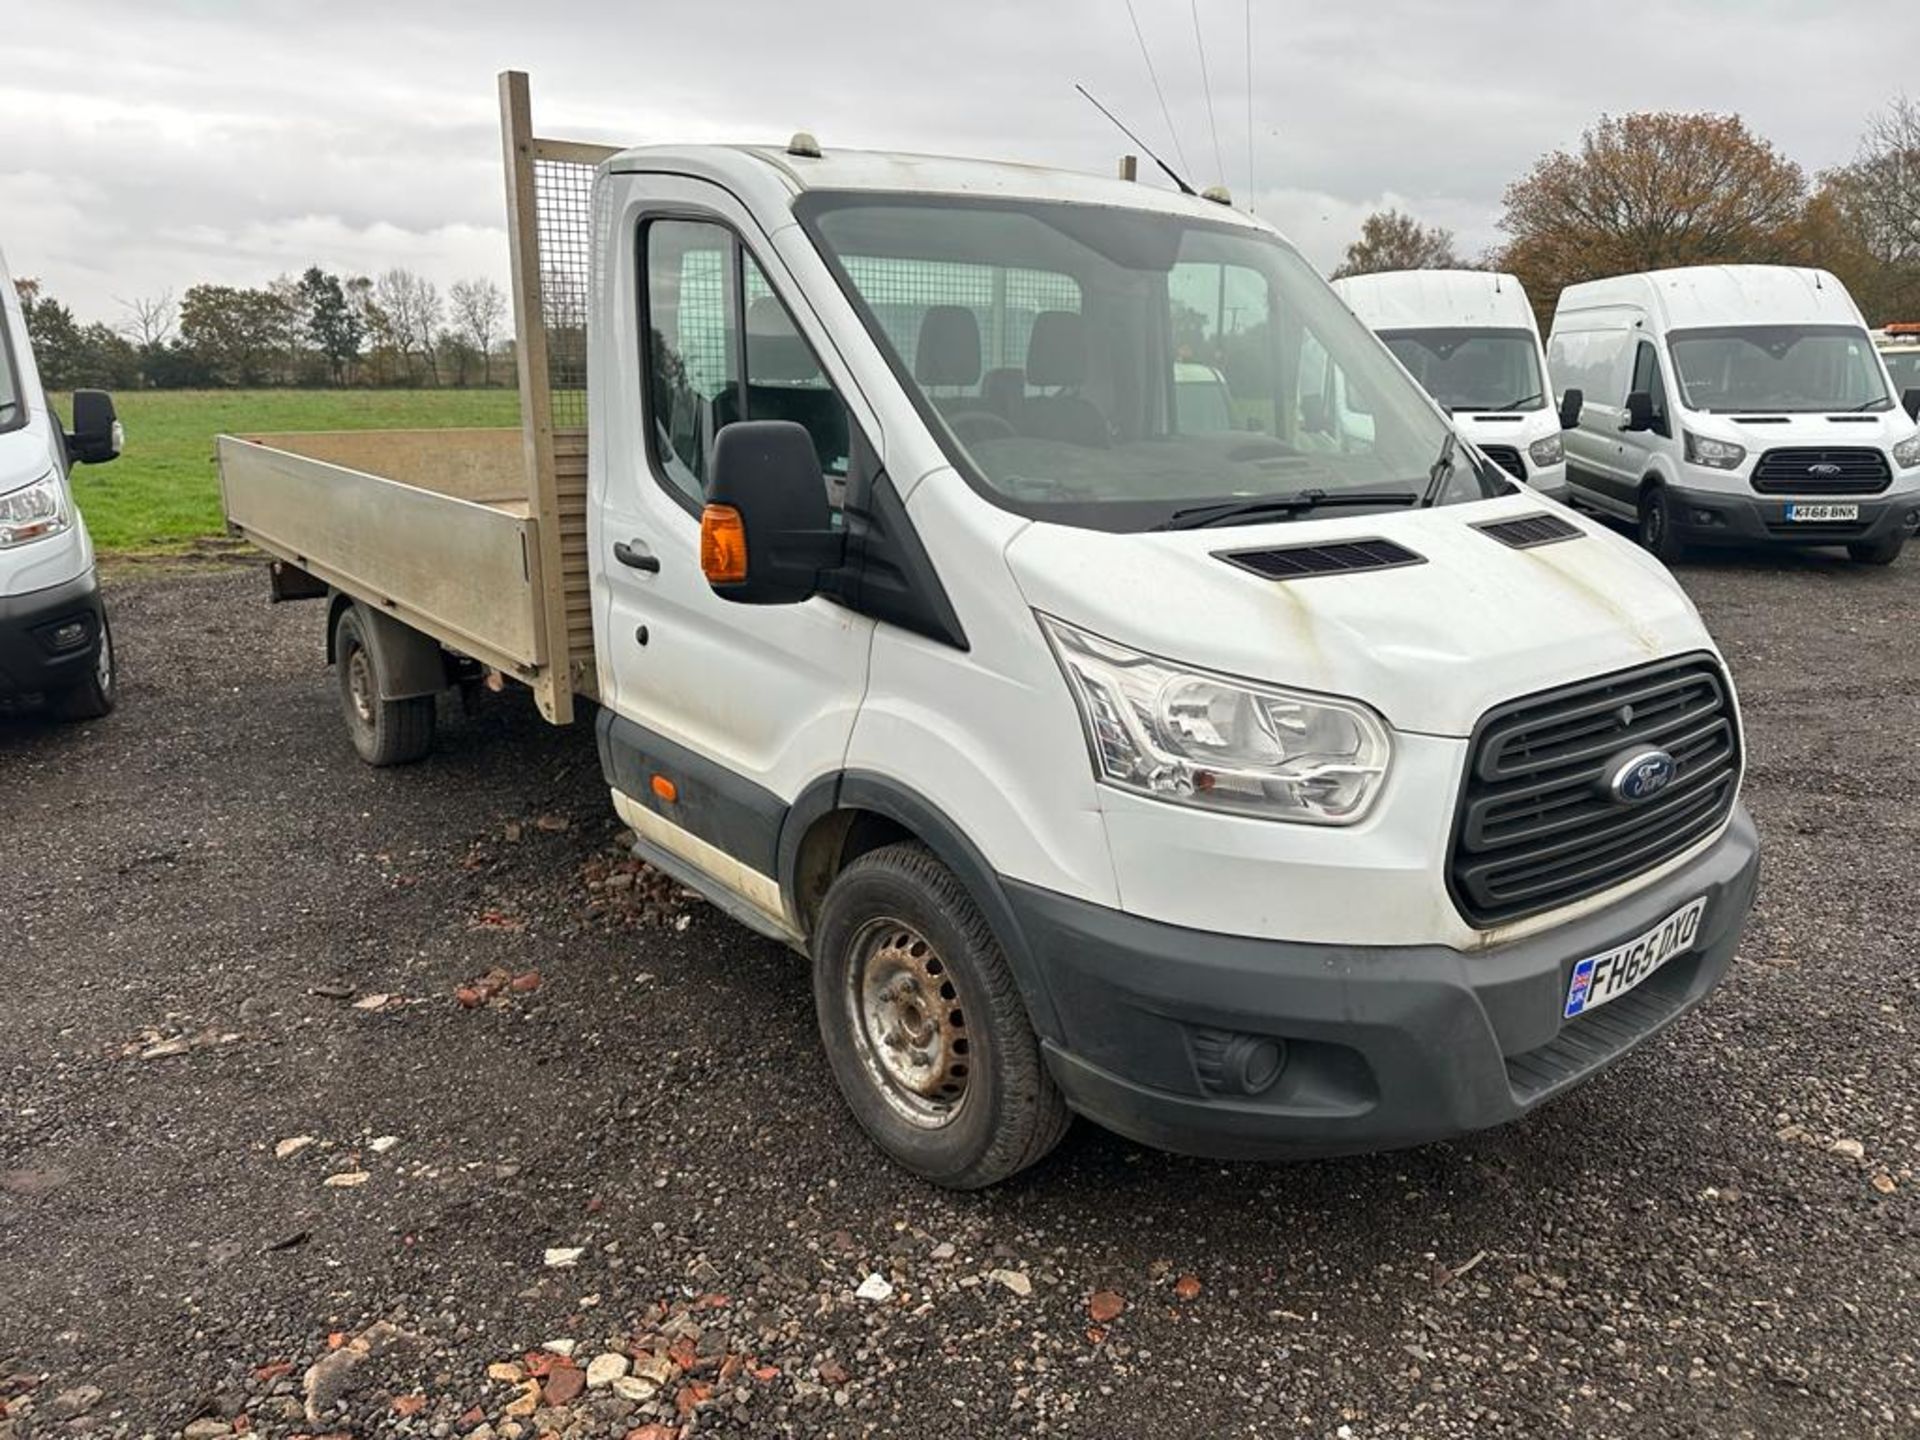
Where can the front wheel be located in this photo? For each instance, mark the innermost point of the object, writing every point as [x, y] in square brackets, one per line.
[385, 732]
[1656, 532]
[924, 1027]
[1878, 552]
[96, 695]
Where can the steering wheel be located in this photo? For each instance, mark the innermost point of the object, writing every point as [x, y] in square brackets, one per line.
[971, 426]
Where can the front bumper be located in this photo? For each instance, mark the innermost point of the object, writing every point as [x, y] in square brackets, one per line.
[33, 660]
[1708, 517]
[1383, 1046]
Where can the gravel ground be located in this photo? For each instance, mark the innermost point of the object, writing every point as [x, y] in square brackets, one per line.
[251, 1126]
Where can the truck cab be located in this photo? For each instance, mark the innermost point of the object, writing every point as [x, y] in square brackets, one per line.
[1470, 339]
[56, 648]
[1299, 787]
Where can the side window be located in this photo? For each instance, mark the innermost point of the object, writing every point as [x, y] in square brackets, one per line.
[1646, 376]
[691, 360]
[721, 347]
[785, 381]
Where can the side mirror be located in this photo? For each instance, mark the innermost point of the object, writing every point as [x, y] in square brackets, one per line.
[96, 436]
[1639, 412]
[767, 532]
[1910, 402]
[1571, 404]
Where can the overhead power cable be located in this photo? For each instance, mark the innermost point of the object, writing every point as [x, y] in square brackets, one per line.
[1206, 85]
[1154, 75]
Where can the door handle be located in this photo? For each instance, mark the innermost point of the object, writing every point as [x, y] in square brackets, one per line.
[635, 555]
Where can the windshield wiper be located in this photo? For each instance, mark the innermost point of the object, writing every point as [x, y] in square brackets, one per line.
[1873, 404]
[1441, 472]
[1523, 400]
[1199, 517]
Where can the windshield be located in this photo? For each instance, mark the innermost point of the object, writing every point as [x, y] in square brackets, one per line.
[1778, 368]
[1904, 367]
[1473, 369]
[12, 411]
[1110, 367]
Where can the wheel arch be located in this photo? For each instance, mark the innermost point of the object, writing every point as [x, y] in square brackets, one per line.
[842, 816]
[410, 664]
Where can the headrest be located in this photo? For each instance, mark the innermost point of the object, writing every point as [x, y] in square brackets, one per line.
[1003, 389]
[948, 351]
[775, 352]
[1057, 349]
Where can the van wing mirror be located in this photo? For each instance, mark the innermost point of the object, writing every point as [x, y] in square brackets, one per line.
[1571, 404]
[1639, 412]
[1910, 402]
[96, 437]
[767, 532]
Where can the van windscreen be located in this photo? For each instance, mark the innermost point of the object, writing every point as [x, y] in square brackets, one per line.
[1473, 369]
[1778, 369]
[1109, 367]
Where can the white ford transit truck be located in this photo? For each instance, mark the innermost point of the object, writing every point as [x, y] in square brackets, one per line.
[56, 650]
[1470, 339]
[1736, 404]
[1254, 792]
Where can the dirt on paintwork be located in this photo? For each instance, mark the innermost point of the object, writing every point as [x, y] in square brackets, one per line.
[258, 1155]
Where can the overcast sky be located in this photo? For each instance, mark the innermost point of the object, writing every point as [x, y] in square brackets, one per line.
[146, 145]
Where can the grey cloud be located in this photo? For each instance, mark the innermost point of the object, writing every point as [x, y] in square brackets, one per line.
[150, 145]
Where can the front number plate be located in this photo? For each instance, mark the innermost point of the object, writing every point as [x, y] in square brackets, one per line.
[1610, 975]
[1817, 513]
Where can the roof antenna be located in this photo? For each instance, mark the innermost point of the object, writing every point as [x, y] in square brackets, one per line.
[1184, 187]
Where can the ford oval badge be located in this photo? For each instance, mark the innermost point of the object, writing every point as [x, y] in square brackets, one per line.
[1640, 776]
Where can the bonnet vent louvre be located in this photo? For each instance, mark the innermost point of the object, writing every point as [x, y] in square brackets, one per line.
[1334, 557]
[1523, 532]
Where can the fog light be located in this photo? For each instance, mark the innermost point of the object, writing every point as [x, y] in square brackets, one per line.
[1231, 1064]
[68, 636]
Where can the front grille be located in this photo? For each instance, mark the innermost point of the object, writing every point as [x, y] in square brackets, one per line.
[1507, 458]
[1338, 557]
[1523, 532]
[1537, 828]
[1808, 471]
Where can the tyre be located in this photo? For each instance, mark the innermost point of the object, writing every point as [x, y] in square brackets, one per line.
[1878, 552]
[924, 1027]
[385, 732]
[96, 695]
[1656, 532]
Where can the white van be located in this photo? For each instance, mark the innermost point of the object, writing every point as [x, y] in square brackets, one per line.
[55, 645]
[1470, 338]
[1735, 404]
[1251, 792]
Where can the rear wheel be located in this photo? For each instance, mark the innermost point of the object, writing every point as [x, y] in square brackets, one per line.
[1878, 552]
[924, 1027]
[1656, 530]
[95, 696]
[385, 732]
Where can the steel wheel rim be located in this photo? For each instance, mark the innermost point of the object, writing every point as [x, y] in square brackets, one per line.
[1656, 520]
[360, 685]
[103, 662]
[909, 1028]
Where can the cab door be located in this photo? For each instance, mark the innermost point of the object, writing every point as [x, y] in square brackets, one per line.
[717, 714]
[1636, 450]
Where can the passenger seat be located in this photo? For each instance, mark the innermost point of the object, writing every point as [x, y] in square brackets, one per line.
[1057, 360]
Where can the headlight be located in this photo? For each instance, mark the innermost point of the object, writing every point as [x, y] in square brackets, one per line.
[1714, 454]
[1547, 450]
[34, 513]
[1197, 739]
[1907, 453]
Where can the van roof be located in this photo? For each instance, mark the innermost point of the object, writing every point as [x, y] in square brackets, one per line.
[1430, 299]
[774, 175]
[1696, 296]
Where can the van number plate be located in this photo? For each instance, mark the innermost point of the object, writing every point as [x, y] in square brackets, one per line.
[1610, 975]
[1797, 511]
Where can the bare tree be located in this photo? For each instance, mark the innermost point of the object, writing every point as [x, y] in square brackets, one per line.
[1880, 190]
[412, 310]
[149, 321]
[479, 310]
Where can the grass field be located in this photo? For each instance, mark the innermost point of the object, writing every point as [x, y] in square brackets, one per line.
[163, 493]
